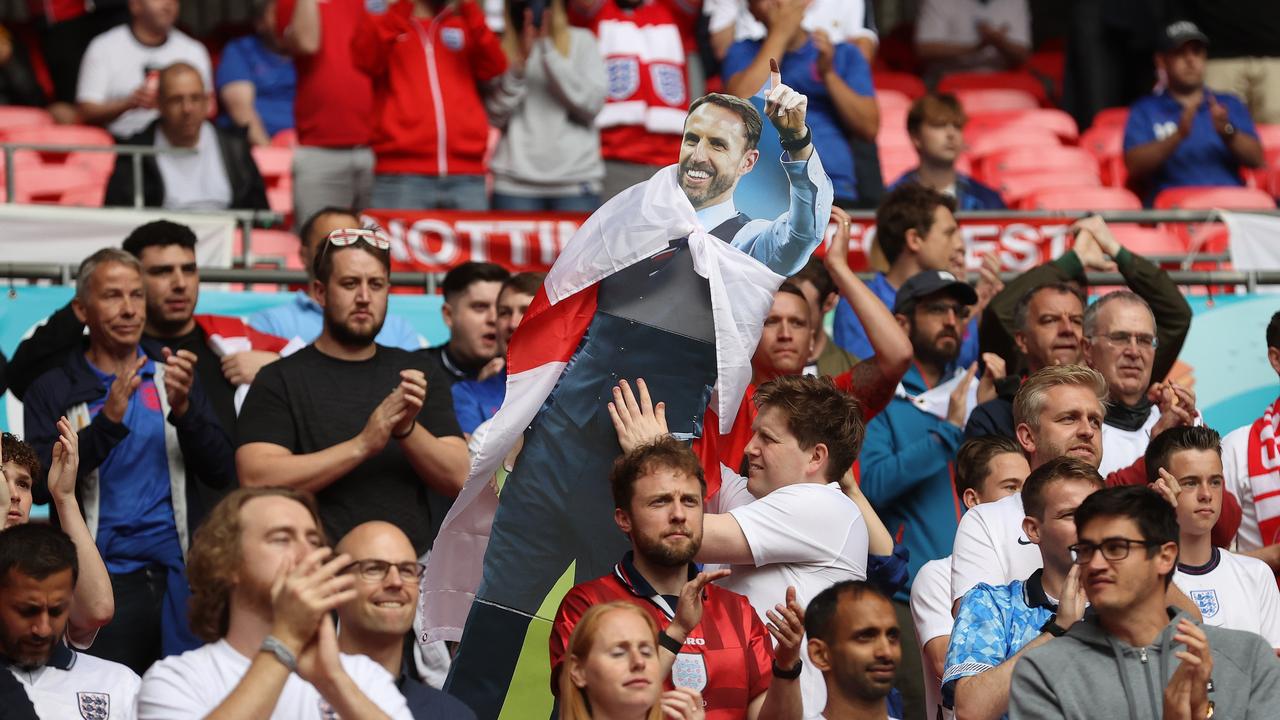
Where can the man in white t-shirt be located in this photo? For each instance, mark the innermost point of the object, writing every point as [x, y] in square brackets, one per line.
[842, 20]
[119, 73]
[38, 573]
[263, 587]
[987, 469]
[1232, 591]
[969, 35]
[1057, 411]
[787, 524]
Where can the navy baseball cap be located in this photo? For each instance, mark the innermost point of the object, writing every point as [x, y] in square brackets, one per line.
[928, 283]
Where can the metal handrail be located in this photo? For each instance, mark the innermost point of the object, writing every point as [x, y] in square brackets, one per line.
[136, 153]
[65, 273]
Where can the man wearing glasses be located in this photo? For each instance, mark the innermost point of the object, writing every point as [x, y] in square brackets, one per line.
[1120, 342]
[1132, 655]
[997, 624]
[361, 425]
[378, 621]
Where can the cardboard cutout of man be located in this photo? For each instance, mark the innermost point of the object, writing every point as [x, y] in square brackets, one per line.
[667, 281]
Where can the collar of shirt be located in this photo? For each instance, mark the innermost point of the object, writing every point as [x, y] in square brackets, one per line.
[1034, 595]
[630, 577]
[712, 216]
[148, 370]
[1204, 569]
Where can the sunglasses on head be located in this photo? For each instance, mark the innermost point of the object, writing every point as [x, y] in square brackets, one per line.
[350, 236]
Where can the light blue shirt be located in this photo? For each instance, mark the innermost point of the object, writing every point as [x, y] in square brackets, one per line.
[784, 245]
[304, 318]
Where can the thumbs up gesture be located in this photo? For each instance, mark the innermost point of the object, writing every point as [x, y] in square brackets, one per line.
[785, 107]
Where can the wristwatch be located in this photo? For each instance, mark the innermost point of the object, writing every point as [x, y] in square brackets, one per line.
[799, 143]
[1228, 130]
[791, 674]
[1052, 627]
[669, 642]
[282, 653]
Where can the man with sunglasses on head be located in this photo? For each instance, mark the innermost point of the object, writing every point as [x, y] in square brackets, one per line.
[378, 621]
[1133, 655]
[362, 426]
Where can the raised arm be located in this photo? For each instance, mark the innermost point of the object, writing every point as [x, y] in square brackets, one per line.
[302, 34]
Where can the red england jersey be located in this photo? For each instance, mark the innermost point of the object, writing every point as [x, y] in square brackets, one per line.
[728, 657]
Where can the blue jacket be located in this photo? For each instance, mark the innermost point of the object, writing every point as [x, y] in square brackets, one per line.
[906, 474]
[204, 445]
[970, 194]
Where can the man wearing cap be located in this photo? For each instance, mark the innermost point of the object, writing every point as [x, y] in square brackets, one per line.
[906, 459]
[1188, 134]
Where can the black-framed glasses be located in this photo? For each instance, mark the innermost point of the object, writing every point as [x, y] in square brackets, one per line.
[376, 570]
[940, 309]
[1115, 548]
[1143, 341]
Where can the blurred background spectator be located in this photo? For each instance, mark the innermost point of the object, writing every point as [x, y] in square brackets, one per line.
[256, 82]
[967, 35]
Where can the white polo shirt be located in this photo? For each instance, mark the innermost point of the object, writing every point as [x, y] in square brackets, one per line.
[931, 614]
[991, 548]
[1236, 592]
[76, 685]
[807, 535]
[192, 684]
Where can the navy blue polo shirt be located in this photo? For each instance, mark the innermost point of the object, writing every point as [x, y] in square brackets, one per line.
[799, 70]
[1203, 158]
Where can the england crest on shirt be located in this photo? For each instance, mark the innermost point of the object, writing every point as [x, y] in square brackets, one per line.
[1207, 601]
[624, 77]
[452, 38]
[689, 671]
[94, 705]
[668, 83]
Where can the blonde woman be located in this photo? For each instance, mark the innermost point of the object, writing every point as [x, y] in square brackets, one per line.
[612, 672]
[545, 104]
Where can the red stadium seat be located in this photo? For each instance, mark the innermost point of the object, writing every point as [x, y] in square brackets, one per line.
[59, 135]
[15, 116]
[1106, 142]
[275, 247]
[1018, 80]
[1269, 136]
[275, 164]
[1082, 198]
[1211, 197]
[995, 142]
[50, 183]
[893, 101]
[285, 138]
[896, 159]
[1056, 158]
[1112, 116]
[1014, 186]
[986, 100]
[905, 83]
[1042, 119]
[1148, 241]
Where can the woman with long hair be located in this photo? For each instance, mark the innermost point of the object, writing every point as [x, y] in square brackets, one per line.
[548, 158]
[611, 670]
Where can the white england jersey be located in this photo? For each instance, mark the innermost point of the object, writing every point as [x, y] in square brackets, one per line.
[76, 685]
[991, 548]
[1236, 592]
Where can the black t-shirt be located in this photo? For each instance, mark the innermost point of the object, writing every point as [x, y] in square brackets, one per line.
[1236, 28]
[309, 401]
[219, 390]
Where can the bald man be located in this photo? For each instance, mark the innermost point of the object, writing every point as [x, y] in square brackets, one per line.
[220, 174]
[377, 623]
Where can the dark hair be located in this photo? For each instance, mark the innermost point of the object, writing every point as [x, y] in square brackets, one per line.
[457, 280]
[814, 271]
[1162, 447]
[525, 283]
[20, 454]
[1273, 331]
[1156, 519]
[310, 223]
[751, 123]
[666, 453]
[818, 412]
[322, 263]
[974, 458]
[1022, 310]
[37, 550]
[1063, 467]
[791, 288]
[931, 106]
[158, 233]
[819, 617]
[910, 207]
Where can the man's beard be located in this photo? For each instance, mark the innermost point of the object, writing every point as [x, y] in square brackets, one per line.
[347, 336]
[928, 350]
[716, 185]
[25, 661]
[659, 553]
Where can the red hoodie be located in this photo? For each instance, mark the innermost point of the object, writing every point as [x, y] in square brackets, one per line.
[420, 67]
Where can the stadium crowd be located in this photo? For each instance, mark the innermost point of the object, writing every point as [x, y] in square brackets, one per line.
[978, 499]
